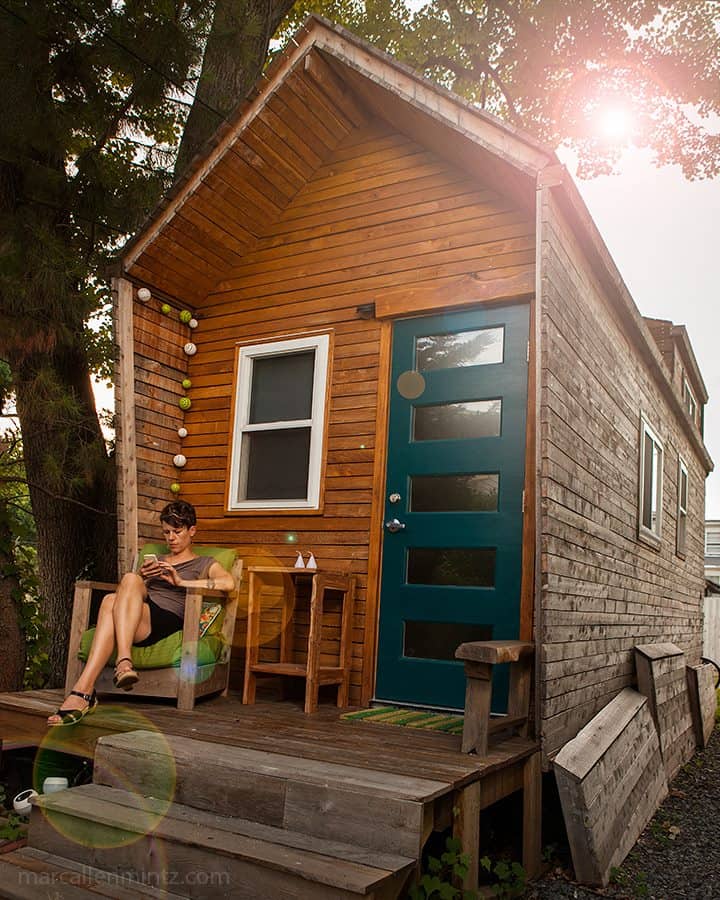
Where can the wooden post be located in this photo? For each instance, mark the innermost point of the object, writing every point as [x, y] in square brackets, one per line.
[189, 655]
[478, 696]
[519, 693]
[466, 828]
[126, 437]
[253, 637]
[80, 617]
[345, 657]
[317, 600]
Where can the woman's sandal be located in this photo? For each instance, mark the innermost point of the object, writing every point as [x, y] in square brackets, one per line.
[126, 679]
[73, 716]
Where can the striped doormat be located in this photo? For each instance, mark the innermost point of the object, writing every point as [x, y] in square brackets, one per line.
[409, 718]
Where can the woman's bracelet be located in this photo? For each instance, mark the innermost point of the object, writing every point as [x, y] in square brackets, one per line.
[211, 584]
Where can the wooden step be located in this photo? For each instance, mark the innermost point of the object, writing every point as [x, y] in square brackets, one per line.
[200, 854]
[376, 810]
[29, 874]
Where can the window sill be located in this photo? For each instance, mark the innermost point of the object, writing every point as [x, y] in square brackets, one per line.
[650, 539]
[276, 511]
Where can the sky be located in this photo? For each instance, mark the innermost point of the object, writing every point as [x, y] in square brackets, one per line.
[663, 233]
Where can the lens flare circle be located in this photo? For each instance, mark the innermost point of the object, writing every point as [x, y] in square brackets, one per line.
[146, 782]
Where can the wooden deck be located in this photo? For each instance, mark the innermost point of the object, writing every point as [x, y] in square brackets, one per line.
[462, 784]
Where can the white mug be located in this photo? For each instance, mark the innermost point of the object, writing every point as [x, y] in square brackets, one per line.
[22, 803]
[53, 785]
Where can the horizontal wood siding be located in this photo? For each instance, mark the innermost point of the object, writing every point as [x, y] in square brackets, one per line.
[160, 367]
[380, 212]
[603, 590]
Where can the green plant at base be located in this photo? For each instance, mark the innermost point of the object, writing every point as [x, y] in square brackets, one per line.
[636, 886]
[437, 881]
[511, 877]
[14, 828]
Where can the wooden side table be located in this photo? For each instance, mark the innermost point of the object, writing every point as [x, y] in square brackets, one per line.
[313, 673]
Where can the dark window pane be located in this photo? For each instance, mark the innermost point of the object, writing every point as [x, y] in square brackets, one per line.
[440, 640]
[276, 464]
[465, 348]
[282, 387]
[453, 421]
[452, 493]
[683, 489]
[460, 566]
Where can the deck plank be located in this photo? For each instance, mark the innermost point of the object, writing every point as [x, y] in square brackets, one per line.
[268, 727]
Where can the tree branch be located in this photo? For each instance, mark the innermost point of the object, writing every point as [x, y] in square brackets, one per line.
[54, 496]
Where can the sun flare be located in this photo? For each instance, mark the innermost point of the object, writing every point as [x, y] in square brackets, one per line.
[615, 124]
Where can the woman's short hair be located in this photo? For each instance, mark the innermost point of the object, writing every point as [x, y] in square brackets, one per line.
[179, 513]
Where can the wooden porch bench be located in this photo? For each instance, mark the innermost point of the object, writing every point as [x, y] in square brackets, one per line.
[479, 658]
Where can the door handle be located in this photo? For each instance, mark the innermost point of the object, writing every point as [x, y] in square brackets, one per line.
[394, 525]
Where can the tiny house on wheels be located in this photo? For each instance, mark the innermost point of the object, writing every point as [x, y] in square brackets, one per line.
[377, 324]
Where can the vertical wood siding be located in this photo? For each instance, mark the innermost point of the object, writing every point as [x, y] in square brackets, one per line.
[382, 212]
[602, 589]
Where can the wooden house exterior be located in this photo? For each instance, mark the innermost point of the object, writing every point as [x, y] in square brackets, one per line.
[464, 360]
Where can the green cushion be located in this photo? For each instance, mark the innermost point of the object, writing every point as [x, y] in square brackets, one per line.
[164, 653]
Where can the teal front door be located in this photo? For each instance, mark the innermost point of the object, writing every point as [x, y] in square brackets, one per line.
[454, 495]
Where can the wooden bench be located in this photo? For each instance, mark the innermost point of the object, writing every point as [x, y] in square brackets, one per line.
[479, 658]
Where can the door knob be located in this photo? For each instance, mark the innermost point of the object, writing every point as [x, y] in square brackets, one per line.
[394, 525]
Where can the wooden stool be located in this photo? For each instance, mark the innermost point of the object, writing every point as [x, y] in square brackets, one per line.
[479, 658]
[313, 673]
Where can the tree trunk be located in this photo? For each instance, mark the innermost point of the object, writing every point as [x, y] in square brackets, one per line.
[71, 482]
[12, 638]
[235, 54]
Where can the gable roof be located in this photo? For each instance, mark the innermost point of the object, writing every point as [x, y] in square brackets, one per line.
[324, 84]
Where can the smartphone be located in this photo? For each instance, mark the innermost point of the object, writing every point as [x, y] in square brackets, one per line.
[150, 557]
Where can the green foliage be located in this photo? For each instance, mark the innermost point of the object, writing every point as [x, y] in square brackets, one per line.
[18, 557]
[14, 828]
[98, 85]
[634, 885]
[511, 877]
[557, 68]
[440, 876]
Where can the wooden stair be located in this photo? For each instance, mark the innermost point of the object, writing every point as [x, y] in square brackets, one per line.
[30, 874]
[201, 819]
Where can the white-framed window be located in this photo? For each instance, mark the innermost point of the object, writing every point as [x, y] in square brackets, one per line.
[683, 486]
[689, 400]
[277, 442]
[651, 480]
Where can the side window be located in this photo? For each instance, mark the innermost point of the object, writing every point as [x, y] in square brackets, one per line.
[277, 442]
[651, 478]
[682, 507]
[689, 400]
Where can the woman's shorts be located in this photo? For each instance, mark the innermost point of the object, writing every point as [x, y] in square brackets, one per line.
[162, 623]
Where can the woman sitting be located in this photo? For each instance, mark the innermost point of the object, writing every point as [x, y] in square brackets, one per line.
[145, 608]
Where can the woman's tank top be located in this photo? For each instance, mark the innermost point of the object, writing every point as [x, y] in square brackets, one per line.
[172, 598]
